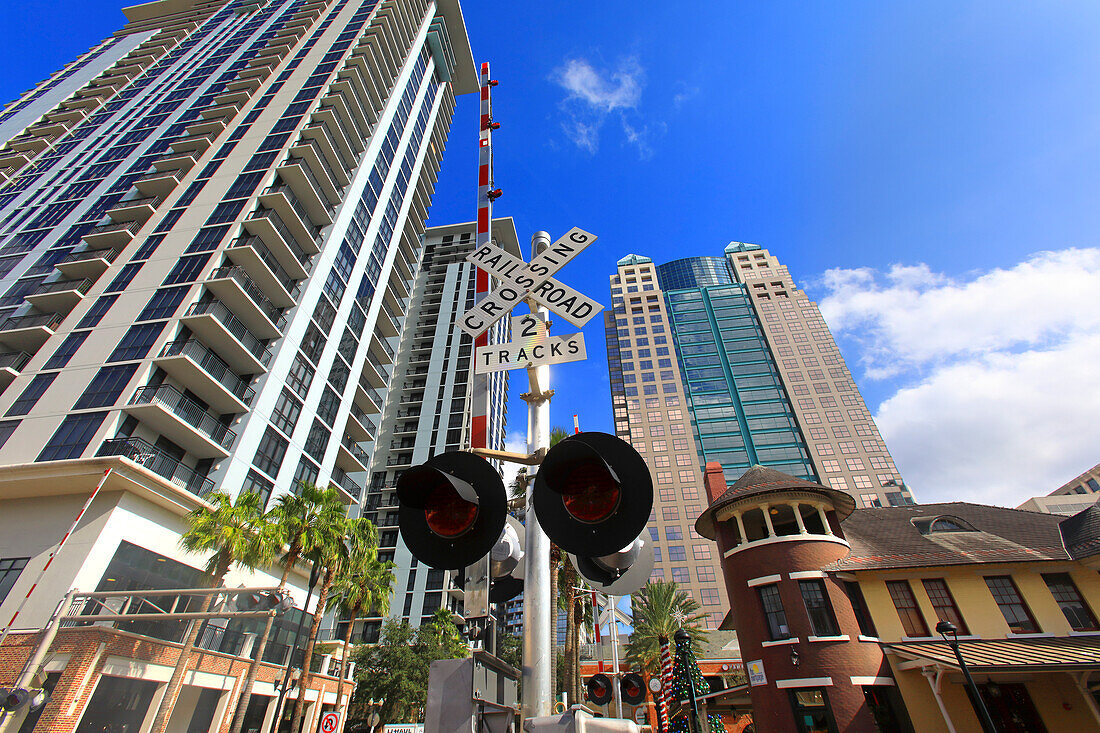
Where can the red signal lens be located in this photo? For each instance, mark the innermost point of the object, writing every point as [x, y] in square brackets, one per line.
[631, 688]
[590, 494]
[448, 514]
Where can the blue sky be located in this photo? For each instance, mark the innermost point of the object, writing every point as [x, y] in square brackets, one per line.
[927, 171]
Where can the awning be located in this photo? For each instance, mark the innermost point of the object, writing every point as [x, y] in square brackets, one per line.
[1062, 654]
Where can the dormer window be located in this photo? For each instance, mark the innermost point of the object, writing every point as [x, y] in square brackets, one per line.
[930, 525]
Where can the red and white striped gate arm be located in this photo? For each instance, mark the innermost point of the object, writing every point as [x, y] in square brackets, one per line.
[479, 407]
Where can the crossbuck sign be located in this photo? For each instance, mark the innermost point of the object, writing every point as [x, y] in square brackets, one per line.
[520, 280]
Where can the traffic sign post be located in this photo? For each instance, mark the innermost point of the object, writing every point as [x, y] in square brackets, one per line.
[330, 722]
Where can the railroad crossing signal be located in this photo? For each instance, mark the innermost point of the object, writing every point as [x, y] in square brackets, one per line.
[533, 346]
[532, 279]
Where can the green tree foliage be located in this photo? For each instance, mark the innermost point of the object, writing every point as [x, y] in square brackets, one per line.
[396, 669]
[660, 608]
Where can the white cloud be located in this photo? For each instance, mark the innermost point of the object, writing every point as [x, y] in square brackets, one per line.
[517, 443]
[996, 373]
[595, 94]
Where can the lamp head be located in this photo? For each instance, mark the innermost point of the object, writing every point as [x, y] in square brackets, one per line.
[946, 628]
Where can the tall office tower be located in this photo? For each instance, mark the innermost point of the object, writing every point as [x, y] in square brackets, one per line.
[428, 409]
[652, 413]
[758, 380]
[208, 230]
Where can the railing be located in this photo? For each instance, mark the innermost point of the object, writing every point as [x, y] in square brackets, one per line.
[291, 241]
[212, 364]
[399, 461]
[324, 131]
[408, 413]
[257, 245]
[233, 324]
[221, 639]
[90, 254]
[408, 399]
[14, 360]
[144, 200]
[320, 156]
[120, 226]
[372, 392]
[186, 409]
[240, 276]
[360, 455]
[377, 364]
[393, 316]
[160, 463]
[308, 173]
[396, 444]
[31, 320]
[296, 206]
[63, 286]
[361, 416]
[340, 476]
[386, 347]
[350, 136]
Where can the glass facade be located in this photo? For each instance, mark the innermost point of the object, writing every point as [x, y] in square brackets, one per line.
[694, 272]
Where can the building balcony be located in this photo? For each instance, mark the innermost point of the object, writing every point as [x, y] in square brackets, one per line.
[382, 350]
[345, 88]
[67, 115]
[405, 459]
[60, 296]
[219, 112]
[374, 373]
[330, 174]
[349, 487]
[11, 366]
[175, 162]
[256, 72]
[247, 85]
[13, 159]
[388, 323]
[139, 209]
[347, 139]
[153, 458]
[367, 398]
[182, 420]
[406, 428]
[86, 104]
[87, 264]
[28, 332]
[236, 97]
[339, 153]
[196, 144]
[269, 227]
[29, 143]
[158, 183]
[308, 190]
[264, 269]
[200, 370]
[351, 457]
[115, 235]
[398, 285]
[337, 104]
[223, 332]
[360, 427]
[233, 286]
[296, 215]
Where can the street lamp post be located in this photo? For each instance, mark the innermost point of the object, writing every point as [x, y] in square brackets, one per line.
[946, 629]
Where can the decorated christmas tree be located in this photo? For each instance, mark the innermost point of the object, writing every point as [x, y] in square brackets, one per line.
[686, 672]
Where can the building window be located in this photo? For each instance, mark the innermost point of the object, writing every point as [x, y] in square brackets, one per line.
[1070, 601]
[31, 393]
[906, 603]
[680, 575]
[818, 608]
[68, 347]
[72, 437]
[1015, 611]
[10, 568]
[677, 553]
[269, 454]
[709, 596]
[944, 603]
[811, 711]
[705, 573]
[700, 552]
[859, 607]
[106, 386]
[773, 612]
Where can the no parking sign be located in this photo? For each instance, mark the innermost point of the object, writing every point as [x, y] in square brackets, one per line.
[330, 722]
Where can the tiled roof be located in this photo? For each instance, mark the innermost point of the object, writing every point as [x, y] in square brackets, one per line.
[889, 538]
[1001, 655]
[760, 480]
[1082, 532]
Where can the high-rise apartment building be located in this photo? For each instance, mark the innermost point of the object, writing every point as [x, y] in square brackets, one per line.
[723, 359]
[428, 409]
[1071, 497]
[210, 228]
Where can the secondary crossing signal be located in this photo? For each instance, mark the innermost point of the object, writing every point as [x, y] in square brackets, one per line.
[598, 689]
[267, 600]
[632, 688]
[452, 509]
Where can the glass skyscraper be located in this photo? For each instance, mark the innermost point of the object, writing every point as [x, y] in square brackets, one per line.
[723, 359]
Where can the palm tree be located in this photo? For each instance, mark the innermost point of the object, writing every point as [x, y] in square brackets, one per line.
[233, 532]
[297, 519]
[660, 609]
[363, 584]
[328, 551]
